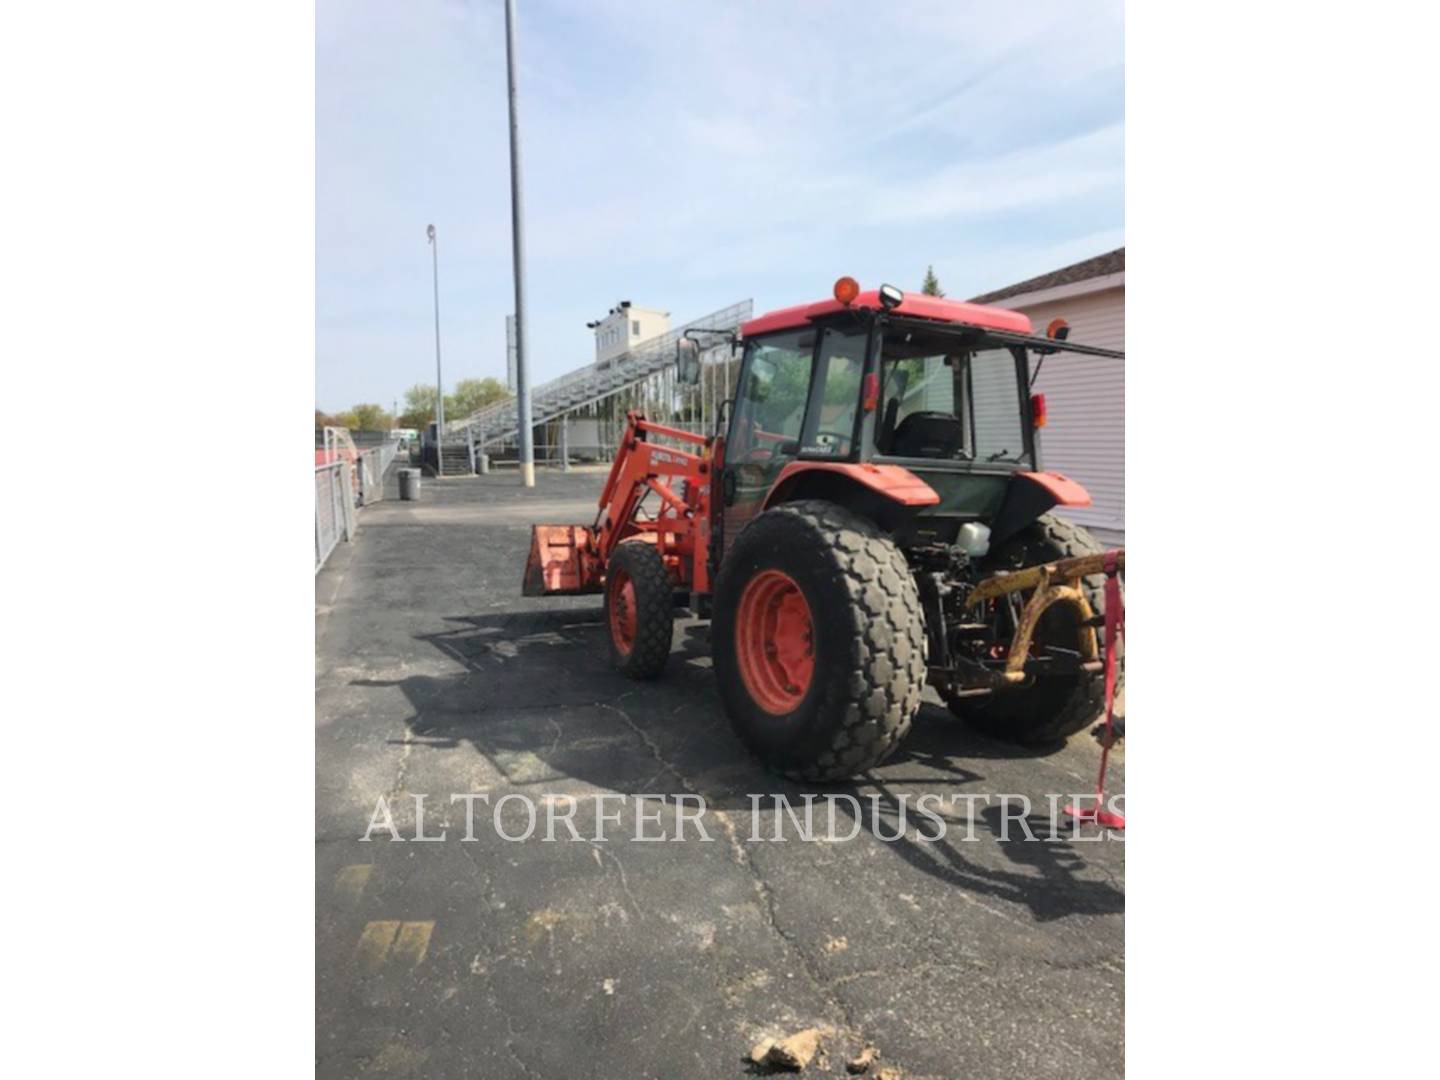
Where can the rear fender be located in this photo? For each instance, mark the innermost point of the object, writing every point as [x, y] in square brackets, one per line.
[1031, 494]
[886, 494]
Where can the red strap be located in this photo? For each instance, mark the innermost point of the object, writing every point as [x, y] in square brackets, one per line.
[1114, 628]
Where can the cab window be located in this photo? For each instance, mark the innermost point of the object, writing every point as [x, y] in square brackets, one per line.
[770, 405]
[830, 428]
[948, 402]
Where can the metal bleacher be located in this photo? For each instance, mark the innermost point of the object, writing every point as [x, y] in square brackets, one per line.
[497, 423]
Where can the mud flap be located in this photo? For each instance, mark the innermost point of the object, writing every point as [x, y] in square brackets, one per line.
[563, 562]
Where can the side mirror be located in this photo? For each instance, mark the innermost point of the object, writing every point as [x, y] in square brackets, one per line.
[687, 361]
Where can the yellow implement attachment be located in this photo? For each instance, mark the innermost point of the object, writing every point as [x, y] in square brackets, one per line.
[1053, 583]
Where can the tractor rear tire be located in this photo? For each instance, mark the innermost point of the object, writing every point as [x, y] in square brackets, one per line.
[818, 641]
[1049, 709]
[639, 610]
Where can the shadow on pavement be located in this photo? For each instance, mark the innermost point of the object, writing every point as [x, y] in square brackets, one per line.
[538, 699]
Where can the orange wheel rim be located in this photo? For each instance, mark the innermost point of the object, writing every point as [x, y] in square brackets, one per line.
[775, 642]
[622, 611]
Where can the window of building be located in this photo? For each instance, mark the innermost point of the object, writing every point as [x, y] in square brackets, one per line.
[634, 327]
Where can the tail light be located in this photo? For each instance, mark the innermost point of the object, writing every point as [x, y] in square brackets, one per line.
[1039, 416]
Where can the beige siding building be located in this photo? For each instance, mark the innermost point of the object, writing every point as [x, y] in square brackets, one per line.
[1085, 395]
[626, 326]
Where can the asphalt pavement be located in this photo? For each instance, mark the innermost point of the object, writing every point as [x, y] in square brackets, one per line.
[966, 956]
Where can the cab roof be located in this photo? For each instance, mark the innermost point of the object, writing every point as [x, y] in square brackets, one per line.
[914, 305]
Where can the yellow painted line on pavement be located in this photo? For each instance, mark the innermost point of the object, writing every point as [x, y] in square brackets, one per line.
[393, 941]
[375, 943]
[350, 882]
[413, 941]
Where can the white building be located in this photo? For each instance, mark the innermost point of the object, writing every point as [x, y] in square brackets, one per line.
[1084, 395]
[625, 327]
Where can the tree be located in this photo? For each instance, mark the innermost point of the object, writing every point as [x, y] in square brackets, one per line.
[419, 407]
[471, 395]
[931, 286]
[357, 418]
[370, 418]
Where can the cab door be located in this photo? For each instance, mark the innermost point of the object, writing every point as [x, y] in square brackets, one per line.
[766, 423]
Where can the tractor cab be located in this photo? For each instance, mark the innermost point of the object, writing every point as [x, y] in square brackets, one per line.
[889, 391]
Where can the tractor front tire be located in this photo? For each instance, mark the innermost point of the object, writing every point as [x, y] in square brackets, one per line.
[639, 610]
[818, 641]
[1048, 709]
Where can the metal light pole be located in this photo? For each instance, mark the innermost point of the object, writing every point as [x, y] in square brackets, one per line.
[522, 377]
[439, 381]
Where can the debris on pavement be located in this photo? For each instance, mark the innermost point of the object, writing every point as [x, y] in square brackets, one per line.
[862, 1061]
[889, 1072]
[793, 1052]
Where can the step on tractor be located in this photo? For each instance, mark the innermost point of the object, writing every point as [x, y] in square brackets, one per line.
[870, 515]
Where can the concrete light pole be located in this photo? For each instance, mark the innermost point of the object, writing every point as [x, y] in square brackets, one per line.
[522, 336]
[439, 381]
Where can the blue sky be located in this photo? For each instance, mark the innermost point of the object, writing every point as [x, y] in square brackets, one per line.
[686, 155]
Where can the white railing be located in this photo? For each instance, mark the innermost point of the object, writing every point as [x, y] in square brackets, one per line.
[341, 488]
[372, 466]
[334, 508]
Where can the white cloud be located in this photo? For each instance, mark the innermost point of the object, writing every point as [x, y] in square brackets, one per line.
[688, 153]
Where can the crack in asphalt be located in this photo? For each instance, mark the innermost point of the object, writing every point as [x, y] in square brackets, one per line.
[493, 956]
[759, 883]
[1113, 963]
[407, 744]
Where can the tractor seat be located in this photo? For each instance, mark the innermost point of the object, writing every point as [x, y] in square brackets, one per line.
[928, 435]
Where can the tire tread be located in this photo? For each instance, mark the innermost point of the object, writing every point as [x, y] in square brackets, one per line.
[654, 611]
[874, 706]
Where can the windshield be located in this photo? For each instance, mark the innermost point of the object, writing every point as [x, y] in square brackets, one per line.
[770, 404]
[944, 398]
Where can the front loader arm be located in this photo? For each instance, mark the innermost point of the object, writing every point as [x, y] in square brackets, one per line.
[572, 558]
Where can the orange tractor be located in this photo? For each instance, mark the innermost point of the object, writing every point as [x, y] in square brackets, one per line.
[873, 517]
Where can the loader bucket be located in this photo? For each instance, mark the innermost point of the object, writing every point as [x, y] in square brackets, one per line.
[563, 561]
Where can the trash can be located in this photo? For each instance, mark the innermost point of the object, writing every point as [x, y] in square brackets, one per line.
[409, 484]
[482, 462]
